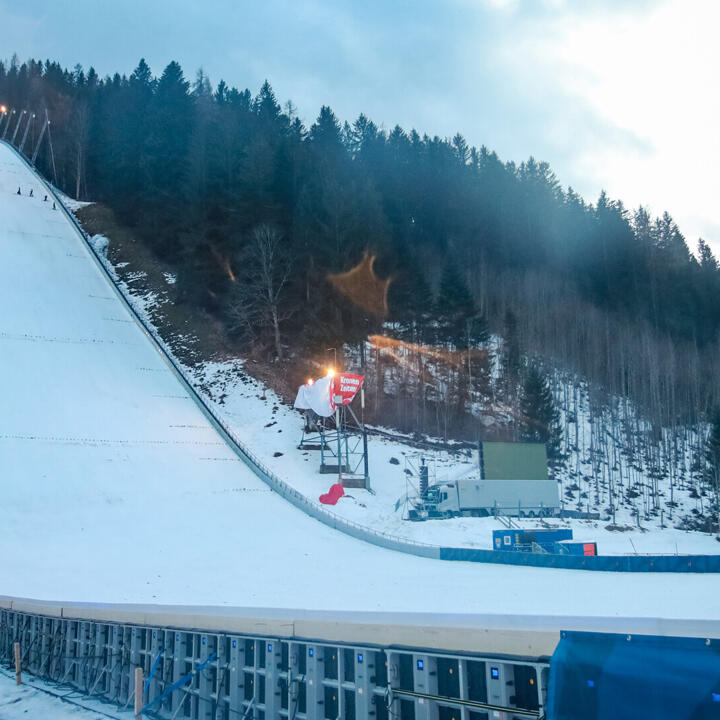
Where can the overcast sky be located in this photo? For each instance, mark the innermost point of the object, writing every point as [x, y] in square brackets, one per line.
[614, 94]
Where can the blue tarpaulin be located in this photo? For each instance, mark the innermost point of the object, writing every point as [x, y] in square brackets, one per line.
[599, 676]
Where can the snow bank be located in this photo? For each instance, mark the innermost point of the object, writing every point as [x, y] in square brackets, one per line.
[35, 699]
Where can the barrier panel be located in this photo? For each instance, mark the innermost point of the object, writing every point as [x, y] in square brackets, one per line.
[634, 677]
[607, 563]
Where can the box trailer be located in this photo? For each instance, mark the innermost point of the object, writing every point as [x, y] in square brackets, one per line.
[512, 480]
[520, 498]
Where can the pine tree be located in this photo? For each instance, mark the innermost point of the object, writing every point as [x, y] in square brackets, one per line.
[266, 106]
[540, 419]
[410, 301]
[707, 260]
[455, 309]
[170, 133]
[707, 291]
[712, 460]
[477, 330]
[142, 75]
[326, 132]
[511, 354]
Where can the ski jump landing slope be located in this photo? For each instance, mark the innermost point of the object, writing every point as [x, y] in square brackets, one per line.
[115, 488]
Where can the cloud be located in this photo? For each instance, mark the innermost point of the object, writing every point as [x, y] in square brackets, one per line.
[616, 95]
[650, 76]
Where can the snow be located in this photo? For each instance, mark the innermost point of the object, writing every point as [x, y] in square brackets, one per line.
[248, 408]
[115, 488]
[71, 203]
[259, 418]
[36, 699]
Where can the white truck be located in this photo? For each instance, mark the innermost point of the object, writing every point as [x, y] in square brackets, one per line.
[512, 480]
[536, 498]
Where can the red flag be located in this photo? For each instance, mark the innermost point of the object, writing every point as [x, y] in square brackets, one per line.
[346, 386]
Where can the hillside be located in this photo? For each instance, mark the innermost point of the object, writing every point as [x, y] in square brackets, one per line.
[447, 274]
[110, 464]
[651, 513]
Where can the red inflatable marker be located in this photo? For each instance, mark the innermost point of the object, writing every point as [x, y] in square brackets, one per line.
[333, 495]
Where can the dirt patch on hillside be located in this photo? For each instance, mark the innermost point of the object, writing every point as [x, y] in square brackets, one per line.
[193, 335]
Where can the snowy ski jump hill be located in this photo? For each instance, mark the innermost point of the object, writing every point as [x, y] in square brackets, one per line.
[116, 487]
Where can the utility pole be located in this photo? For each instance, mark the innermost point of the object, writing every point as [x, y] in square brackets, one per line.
[334, 351]
[364, 433]
[138, 693]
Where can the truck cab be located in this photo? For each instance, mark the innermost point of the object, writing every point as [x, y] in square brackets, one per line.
[444, 499]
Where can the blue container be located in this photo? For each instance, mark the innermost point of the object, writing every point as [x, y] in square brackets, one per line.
[522, 540]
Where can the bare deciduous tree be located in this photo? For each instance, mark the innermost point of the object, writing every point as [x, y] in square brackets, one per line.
[258, 305]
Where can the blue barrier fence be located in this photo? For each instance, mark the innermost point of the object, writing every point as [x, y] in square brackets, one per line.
[608, 563]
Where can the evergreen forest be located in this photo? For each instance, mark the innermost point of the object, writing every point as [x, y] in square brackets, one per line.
[463, 284]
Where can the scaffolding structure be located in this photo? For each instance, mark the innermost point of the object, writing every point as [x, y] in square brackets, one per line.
[10, 117]
[342, 442]
[193, 674]
[420, 473]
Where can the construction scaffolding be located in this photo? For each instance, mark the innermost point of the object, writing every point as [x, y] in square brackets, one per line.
[332, 427]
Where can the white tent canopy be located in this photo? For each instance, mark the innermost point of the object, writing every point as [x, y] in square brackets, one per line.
[317, 397]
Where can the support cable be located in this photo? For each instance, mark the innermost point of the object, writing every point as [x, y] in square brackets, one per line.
[28, 125]
[17, 127]
[10, 113]
[152, 671]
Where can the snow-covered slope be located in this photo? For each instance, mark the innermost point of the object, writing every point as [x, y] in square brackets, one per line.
[648, 517]
[35, 699]
[114, 487]
[258, 417]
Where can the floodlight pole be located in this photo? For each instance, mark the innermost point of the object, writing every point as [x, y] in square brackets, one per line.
[7, 124]
[364, 435]
[334, 350]
[338, 400]
[27, 129]
[40, 139]
[17, 127]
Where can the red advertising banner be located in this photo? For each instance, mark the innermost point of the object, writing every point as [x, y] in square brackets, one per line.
[346, 385]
